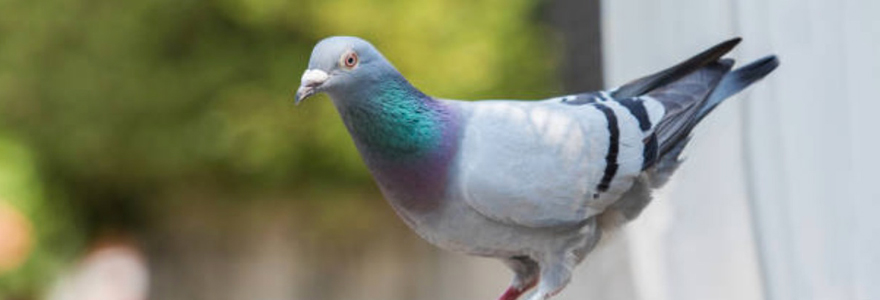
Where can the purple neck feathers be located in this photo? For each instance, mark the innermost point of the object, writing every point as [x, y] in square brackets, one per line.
[408, 141]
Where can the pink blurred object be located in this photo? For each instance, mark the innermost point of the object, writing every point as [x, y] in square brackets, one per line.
[15, 238]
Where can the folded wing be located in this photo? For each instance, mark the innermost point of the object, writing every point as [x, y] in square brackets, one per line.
[561, 161]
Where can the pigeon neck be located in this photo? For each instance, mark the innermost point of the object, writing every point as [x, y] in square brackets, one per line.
[395, 120]
[407, 140]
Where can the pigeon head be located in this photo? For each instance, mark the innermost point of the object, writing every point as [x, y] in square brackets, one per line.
[341, 65]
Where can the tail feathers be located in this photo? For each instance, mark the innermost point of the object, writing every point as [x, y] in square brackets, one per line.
[683, 99]
[733, 82]
[648, 83]
[738, 80]
[687, 99]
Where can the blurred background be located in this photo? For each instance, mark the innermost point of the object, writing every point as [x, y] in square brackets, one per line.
[150, 149]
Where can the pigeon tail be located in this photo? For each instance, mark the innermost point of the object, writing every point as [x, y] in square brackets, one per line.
[682, 101]
[674, 130]
[738, 80]
[648, 83]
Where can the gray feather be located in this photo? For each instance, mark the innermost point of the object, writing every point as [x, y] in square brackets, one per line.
[677, 124]
[683, 100]
[739, 79]
[648, 83]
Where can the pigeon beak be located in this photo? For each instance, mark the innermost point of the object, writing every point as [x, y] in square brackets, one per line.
[311, 80]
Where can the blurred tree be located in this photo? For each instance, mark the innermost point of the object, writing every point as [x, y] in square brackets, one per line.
[134, 109]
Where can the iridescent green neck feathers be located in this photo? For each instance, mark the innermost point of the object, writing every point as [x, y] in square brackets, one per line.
[395, 121]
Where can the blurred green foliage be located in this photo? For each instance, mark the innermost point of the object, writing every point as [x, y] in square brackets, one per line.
[51, 224]
[120, 106]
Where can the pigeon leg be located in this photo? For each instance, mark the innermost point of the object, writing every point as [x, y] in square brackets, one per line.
[526, 277]
[556, 269]
[555, 275]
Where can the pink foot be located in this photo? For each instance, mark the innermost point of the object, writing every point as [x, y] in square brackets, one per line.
[513, 293]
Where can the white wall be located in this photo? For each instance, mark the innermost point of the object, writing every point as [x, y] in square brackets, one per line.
[776, 200]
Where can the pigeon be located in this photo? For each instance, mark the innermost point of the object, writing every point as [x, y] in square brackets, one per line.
[532, 183]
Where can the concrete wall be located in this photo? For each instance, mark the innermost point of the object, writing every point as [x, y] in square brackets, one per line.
[776, 200]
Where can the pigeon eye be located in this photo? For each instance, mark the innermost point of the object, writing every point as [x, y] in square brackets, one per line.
[349, 60]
